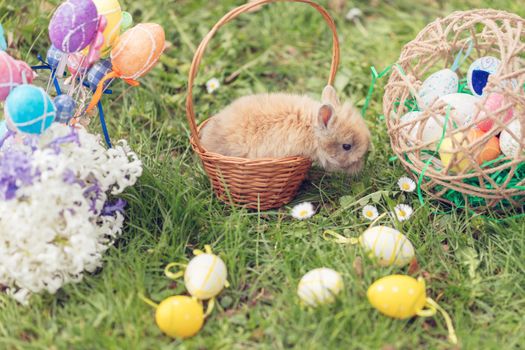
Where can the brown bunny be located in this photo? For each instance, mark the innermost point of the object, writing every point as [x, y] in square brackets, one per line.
[279, 125]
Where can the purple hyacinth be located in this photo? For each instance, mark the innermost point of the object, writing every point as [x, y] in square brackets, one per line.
[15, 171]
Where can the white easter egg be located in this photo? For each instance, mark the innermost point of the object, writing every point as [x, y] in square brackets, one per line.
[320, 286]
[464, 106]
[432, 130]
[508, 144]
[479, 71]
[387, 245]
[439, 84]
[205, 276]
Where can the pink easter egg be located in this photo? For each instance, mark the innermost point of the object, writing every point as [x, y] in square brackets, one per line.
[493, 103]
[77, 63]
[12, 73]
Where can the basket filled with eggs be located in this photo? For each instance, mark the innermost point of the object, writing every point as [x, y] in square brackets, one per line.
[455, 110]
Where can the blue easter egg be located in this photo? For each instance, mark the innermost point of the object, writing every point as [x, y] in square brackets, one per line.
[97, 72]
[54, 56]
[29, 109]
[65, 108]
[479, 72]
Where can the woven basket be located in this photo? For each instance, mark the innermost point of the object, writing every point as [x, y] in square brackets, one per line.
[464, 182]
[261, 183]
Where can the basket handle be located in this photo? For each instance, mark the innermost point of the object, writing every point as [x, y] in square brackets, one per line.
[190, 113]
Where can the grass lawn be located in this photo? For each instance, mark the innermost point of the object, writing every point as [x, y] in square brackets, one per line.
[474, 267]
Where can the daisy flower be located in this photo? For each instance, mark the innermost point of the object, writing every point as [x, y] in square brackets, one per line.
[403, 211]
[212, 85]
[406, 184]
[303, 211]
[370, 212]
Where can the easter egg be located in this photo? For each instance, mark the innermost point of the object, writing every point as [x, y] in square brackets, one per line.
[493, 103]
[29, 109]
[127, 21]
[479, 72]
[490, 149]
[205, 276]
[54, 56]
[138, 50]
[12, 74]
[441, 83]
[463, 106]
[509, 144]
[65, 108]
[320, 286]
[448, 152]
[398, 296]
[432, 130]
[98, 71]
[179, 316]
[387, 245]
[74, 25]
[112, 11]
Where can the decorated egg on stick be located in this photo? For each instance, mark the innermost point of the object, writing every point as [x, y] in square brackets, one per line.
[320, 286]
[112, 11]
[479, 72]
[440, 83]
[135, 54]
[12, 74]
[65, 108]
[29, 109]
[74, 25]
[180, 316]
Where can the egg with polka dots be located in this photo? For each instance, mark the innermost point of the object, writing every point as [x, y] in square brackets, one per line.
[398, 296]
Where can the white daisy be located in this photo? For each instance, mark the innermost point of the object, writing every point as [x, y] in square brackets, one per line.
[406, 184]
[403, 211]
[303, 211]
[370, 212]
[212, 85]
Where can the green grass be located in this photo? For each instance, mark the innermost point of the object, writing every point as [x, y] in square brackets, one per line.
[474, 267]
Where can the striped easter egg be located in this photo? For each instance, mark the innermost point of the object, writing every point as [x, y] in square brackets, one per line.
[205, 276]
[29, 109]
[320, 286]
[387, 245]
[138, 50]
[74, 25]
[12, 74]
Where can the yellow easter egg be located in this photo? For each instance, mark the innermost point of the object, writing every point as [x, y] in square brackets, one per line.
[205, 276]
[113, 12]
[179, 316]
[397, 296]
[320, 286]
[387, 245]
[448, 152]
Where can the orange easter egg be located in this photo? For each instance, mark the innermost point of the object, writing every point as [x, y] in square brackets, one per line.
[138, 50]
[490, 150]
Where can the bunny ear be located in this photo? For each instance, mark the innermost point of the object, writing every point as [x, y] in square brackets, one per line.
[330, 96]
[326, 113]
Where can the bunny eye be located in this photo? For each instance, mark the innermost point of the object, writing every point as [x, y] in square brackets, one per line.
[347, 147]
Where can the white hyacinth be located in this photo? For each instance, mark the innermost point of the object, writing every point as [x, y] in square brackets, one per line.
[58, 226]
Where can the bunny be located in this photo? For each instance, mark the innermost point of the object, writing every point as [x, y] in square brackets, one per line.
[331, 134]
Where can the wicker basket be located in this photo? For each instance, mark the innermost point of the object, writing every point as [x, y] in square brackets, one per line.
[262, 183]
[496, 184]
